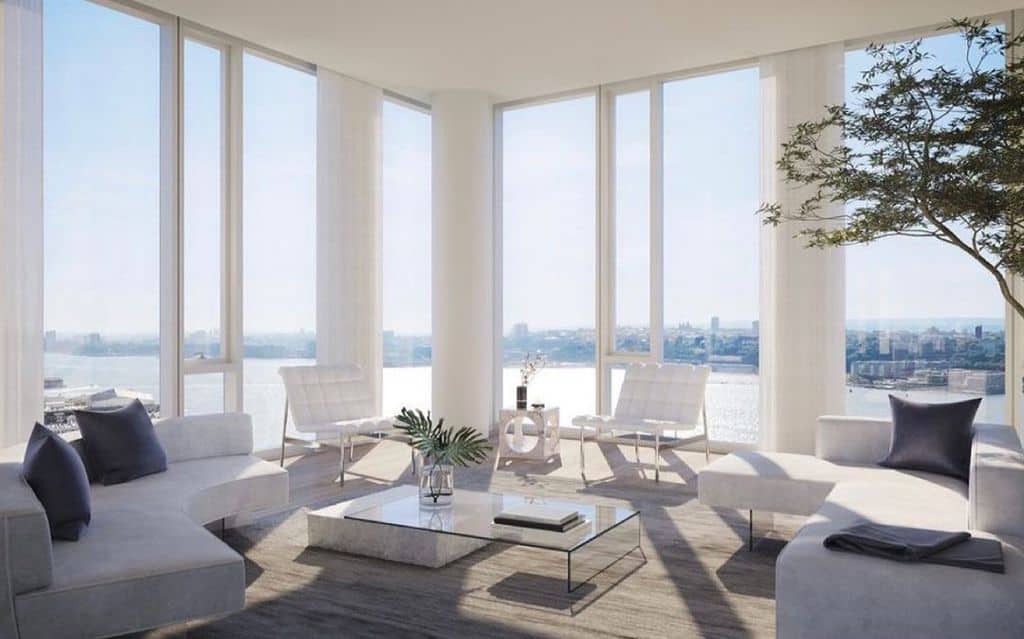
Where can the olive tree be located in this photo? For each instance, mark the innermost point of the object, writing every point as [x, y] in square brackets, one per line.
[927, 151]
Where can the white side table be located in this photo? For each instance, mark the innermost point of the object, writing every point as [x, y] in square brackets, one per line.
[513, 443]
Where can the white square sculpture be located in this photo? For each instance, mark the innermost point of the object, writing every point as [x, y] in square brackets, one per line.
[538, 441]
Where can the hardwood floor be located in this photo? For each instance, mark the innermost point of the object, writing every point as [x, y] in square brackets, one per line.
[698, 579]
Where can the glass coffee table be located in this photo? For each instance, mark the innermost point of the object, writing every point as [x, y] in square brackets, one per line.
[610, 534]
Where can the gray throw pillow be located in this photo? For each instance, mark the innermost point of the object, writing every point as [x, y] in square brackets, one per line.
[934, 438]
[57, 476]
[120, 445]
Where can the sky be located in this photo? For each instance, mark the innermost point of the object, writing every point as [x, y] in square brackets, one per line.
[711, 193]
[101, 123]
[101, 188]
[916, 277]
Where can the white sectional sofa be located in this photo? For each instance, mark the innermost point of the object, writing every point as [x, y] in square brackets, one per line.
[824, 593]
[146, 560]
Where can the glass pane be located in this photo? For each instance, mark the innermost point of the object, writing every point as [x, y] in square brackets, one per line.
[407, 278]
[549, 210]
[203, 199]
[712, 239]
[279, 200]
[204, 393]
[924, 321]
[632, 202]
[101, 208]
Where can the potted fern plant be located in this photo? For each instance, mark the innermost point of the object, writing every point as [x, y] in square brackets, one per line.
[442, 449]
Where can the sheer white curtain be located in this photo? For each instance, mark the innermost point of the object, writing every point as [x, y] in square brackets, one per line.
[802, 290]
[349, 267]
[21, 219]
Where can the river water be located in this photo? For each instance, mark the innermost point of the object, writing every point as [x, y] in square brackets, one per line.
[732, 398]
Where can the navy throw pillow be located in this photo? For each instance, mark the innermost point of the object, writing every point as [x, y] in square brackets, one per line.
[120, 445]
[934, 438]
[57, 476]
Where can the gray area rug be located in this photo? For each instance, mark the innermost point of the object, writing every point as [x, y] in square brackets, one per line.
[698, 579]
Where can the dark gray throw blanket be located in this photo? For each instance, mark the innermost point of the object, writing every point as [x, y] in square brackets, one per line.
[917, 544]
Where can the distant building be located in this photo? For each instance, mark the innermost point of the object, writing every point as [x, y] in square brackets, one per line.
[978, 333]
[50, 341]
[520, 330]
[714, 323]
[963, 380]
[884, 369]
[755, 327]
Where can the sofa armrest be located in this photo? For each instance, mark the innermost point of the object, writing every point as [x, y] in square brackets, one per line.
[853, 440]
[200, 436]
[27, 563]
[996, 493]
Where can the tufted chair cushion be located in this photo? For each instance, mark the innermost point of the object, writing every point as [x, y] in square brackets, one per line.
[667, 392]
[321, 395]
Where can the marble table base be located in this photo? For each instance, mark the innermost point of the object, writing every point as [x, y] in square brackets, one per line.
[328, 528]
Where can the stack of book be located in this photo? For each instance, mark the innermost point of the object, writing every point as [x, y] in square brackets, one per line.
[541, 524]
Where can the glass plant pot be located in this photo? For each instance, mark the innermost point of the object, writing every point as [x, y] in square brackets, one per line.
[437, 484]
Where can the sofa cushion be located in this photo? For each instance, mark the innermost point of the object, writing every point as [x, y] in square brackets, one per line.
[204, 489]
[200, 436]
[935, 438]
[57, 476]
[121, 445]
[138, 568]
[821, 593]
[798, 484]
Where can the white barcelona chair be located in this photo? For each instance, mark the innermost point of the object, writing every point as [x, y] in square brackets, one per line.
[329, 401]
[656, 398]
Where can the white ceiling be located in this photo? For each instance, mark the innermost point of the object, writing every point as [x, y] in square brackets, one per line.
[522, 48]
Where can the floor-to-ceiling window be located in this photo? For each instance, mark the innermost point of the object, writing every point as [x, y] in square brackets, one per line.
[924, 321]
[203, 222]
[279, 234]
[711, 240]
[102, 186]
[548, 235]
[407, 279]
[631, 197]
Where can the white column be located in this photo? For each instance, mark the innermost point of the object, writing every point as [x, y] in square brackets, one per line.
[21, 220]
[463, 258]
[349, 244]
[803, 313]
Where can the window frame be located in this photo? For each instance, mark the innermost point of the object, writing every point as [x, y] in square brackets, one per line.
[423, 108]
[1013, 326]
[607, 356]
[498, 325]
[231, 361]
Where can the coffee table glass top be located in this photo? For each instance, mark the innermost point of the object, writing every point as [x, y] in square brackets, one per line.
[472, 515]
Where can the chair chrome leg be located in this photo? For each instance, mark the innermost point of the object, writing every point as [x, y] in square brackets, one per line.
[750, 532]
[657, 455]
[707, 438]
[284, 429]
[341, 471]
[351, 448]
[583, 461]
